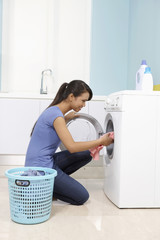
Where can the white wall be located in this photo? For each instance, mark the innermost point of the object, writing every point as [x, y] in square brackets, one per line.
[40, 34]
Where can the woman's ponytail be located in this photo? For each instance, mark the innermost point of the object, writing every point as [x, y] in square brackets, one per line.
[60, 96]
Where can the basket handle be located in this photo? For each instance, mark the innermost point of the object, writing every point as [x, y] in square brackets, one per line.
[41, 172]
[22, 183]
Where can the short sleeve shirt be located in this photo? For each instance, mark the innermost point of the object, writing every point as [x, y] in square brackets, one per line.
[44, 141]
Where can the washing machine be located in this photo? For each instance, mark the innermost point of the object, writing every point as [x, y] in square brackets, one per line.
[132, 163]
[157, 181]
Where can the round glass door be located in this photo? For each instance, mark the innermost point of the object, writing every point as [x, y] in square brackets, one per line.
[84, 128]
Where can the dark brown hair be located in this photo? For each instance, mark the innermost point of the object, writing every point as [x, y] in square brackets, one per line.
[76, 87]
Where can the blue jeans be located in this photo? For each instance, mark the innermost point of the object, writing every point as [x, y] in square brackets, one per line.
[67, 188]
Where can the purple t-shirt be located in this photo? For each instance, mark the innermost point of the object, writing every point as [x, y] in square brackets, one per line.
[44, 141]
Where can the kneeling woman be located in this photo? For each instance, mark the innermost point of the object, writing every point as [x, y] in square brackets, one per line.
[50, 129]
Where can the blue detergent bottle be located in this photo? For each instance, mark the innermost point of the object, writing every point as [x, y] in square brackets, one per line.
[147, 80]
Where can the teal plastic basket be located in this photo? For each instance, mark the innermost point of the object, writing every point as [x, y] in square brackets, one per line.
[30, 196]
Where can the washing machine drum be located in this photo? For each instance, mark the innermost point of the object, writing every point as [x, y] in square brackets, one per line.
[109, 128]
[84, 128]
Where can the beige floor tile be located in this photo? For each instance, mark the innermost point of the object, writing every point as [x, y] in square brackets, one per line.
[98, 219]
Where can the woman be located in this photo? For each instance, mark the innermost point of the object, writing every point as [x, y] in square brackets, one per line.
[50, 129]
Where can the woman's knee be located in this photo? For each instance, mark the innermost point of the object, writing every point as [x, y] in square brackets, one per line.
[84, 198]
[87, 155]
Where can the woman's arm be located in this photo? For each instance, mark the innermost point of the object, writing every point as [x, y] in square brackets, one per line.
[71, 115]
[72, 146]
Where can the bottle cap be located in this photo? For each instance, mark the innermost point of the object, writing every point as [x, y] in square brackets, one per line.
[147, 70]
[143, 62]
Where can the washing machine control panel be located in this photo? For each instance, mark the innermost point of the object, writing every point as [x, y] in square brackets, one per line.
[113, 103]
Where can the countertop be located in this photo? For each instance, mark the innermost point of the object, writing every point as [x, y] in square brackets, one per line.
[25, 95]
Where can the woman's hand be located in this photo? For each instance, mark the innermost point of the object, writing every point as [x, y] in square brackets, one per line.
[107, 139]
[70, 116]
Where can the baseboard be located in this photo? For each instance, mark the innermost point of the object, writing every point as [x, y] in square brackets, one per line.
[93, 170]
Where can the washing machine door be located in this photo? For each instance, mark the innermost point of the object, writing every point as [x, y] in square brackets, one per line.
[84, 128]
[109, 150]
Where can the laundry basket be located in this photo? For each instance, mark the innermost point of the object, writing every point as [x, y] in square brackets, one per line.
[30, 196]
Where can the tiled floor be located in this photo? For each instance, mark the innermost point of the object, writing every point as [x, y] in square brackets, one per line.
[98, 219]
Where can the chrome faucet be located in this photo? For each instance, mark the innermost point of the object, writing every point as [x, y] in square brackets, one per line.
[43, 89]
